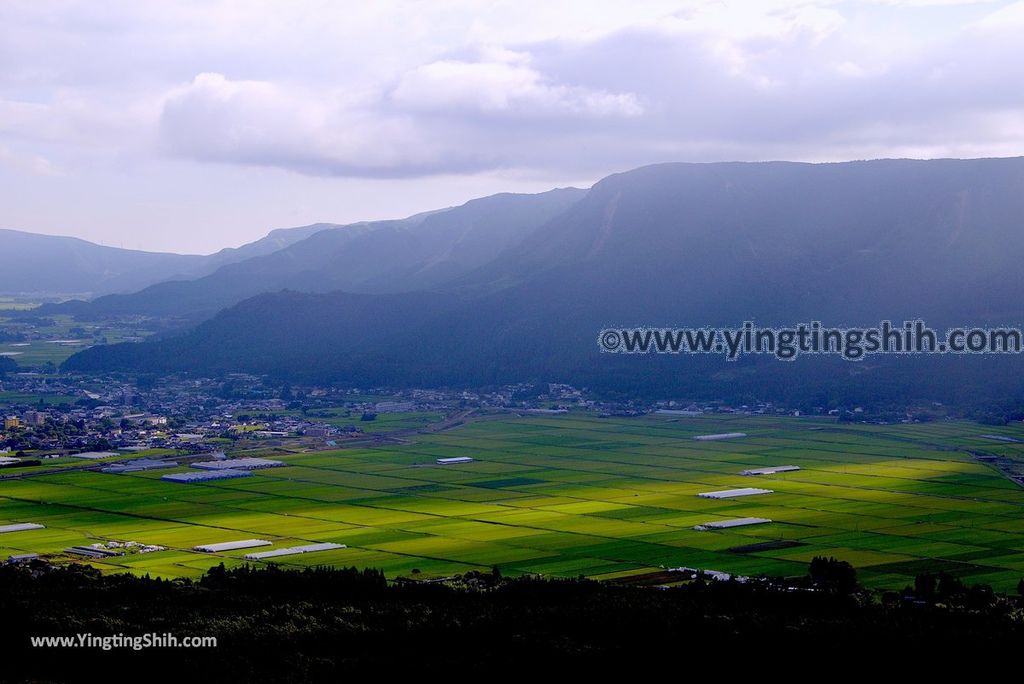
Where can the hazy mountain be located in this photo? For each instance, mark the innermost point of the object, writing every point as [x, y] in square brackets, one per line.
[53, 265]
[273, 241]
[674, 244]
[419, 252]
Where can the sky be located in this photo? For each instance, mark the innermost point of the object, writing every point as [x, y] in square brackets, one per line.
[196, 125]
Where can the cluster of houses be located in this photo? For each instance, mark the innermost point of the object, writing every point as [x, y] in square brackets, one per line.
[76, 413]
[80, 413]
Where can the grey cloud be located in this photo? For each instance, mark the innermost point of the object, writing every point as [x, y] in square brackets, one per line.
[635, 96]
[800, 82]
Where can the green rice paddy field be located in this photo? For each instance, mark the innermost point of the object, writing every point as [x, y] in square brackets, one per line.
[572, 495]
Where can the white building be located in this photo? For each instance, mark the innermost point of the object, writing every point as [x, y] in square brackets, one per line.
[294, 550]
[239, 464]
[734, 522]
[231, 546]
[722, 435]
[20, 527]
[770, 471]
[733, 493]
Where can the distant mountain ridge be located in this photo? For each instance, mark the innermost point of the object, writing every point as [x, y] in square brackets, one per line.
[419, 252]
[672, 244]
[52, 265]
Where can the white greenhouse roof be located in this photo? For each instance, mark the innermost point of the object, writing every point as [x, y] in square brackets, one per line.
[732, 493]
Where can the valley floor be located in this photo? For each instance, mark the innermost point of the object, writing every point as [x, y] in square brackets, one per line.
[571, 495]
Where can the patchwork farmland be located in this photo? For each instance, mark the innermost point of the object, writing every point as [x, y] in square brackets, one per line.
[571, 495]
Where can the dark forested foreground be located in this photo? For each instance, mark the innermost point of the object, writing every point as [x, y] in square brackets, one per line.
[331, 623]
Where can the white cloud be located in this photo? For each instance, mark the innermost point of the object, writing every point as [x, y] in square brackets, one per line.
[1009, 18]
[525, 90]
[418, 127]
[399, 89]
[34, 164]
[506, 86]
[265, 124]
[931, 3]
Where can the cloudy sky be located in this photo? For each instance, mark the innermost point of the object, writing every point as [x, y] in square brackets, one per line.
[191, 126]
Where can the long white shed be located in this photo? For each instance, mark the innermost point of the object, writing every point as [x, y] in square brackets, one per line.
[231, 545]
[733, 493]
[293, 550]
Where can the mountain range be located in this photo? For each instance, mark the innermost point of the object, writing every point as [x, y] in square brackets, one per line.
[54, 266]
[666, 245]
[418, 252]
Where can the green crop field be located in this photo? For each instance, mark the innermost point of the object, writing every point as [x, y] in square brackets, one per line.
[382, 422]
[575, 495]
[44, 399]
[66, 336]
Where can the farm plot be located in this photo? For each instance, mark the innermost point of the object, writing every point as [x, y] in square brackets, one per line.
[570, 495]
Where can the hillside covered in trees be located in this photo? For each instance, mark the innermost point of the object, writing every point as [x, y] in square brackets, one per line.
[322, 624]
